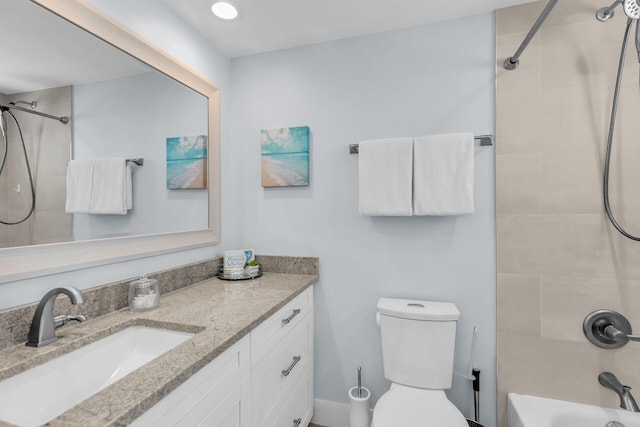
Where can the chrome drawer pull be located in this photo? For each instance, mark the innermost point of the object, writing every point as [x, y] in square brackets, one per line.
[297, 422]
[286, 372]
[290, 318]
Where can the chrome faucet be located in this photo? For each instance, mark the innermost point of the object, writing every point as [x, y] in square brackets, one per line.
[608, 380]
[43, 326]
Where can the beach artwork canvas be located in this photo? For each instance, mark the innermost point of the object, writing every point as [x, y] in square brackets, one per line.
[187, 162]
[285, 157]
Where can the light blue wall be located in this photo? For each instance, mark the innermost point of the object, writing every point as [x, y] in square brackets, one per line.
[435, 78]
[179, 40]
[429, 79]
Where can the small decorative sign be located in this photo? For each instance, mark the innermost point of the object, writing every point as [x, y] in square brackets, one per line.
[187, 162]
[285, 157]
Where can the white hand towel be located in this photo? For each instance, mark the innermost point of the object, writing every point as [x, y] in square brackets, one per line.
[443, 168]
[111, 193]
[79, 184]
[384, 177]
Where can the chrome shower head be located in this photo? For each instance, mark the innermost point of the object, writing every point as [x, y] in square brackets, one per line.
[632, 8]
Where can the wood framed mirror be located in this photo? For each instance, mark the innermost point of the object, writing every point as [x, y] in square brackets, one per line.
[18, 263]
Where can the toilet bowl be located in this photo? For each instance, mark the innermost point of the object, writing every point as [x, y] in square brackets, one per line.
[412, 407]
[418, 340]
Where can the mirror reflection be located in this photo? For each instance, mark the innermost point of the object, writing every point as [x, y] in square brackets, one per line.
[59, 181]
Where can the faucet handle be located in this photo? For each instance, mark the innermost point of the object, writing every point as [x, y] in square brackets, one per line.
[63, 319]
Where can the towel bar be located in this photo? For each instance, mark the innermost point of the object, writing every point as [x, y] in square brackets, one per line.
[139, 161]
[485, 141]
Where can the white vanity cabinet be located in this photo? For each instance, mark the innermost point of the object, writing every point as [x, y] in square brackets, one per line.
[263, 380]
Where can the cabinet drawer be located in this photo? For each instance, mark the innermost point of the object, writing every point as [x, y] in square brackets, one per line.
[282, 366]
[297, 411]
[272, 330]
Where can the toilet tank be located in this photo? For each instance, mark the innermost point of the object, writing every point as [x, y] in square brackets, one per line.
[418, 340]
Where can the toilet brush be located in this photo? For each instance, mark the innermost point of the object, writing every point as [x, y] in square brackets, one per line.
[476, 399]
[360, 397]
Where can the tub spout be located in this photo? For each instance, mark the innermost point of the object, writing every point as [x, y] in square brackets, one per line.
[627, 402]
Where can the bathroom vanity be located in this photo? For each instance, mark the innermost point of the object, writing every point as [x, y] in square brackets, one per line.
[249, 362]
[265, 379]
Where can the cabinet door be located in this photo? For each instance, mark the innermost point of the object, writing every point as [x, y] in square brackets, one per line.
[195, 399]
[232, 411]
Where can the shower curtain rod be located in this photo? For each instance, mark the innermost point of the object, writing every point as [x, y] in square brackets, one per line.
[485, 141]
[512, 62]
[63, 119]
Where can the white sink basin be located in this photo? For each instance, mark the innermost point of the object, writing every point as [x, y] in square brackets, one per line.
[40, 394]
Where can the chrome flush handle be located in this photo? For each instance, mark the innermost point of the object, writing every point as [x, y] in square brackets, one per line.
[297, 422]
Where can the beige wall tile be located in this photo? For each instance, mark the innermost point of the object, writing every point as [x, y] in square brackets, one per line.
[566, 301]
[517, 19]
[526, 78]
[518, 123]
[565, 245]
[571, 182]
[624, 175]
[582, 54]
[575, 118]
[562, 115]
[518, 184]
[518, 304]
[521, 18]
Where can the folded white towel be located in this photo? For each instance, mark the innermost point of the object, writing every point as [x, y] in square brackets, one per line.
[79, 185]
[443, 169]
[111, 192]
[384, 177]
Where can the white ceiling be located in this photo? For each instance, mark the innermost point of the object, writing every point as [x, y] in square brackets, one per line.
[41, 50]
[266, 25]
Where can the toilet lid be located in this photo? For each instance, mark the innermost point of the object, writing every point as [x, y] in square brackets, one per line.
[408, 406]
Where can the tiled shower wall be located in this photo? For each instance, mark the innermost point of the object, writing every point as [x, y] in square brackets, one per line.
[48, 145]
[558, 257]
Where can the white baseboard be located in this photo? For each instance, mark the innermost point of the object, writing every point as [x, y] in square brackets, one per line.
[331, 414]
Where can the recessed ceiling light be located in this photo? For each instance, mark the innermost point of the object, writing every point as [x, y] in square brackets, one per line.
[224, 10]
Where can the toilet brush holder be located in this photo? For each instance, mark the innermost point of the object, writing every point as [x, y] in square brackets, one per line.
[359, 412]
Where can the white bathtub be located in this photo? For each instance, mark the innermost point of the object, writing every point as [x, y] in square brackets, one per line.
[532, 411]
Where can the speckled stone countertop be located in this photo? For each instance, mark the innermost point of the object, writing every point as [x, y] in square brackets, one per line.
[219, 312]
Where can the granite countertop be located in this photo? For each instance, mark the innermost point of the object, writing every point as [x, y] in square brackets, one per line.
[219, 312]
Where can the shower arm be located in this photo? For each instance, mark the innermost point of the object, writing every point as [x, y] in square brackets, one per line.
[512, 62]
[63, 119]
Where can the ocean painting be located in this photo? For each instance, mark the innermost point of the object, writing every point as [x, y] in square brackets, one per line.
[285, 157]
[187, 162]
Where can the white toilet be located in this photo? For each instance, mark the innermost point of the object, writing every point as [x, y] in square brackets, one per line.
[418, 339]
